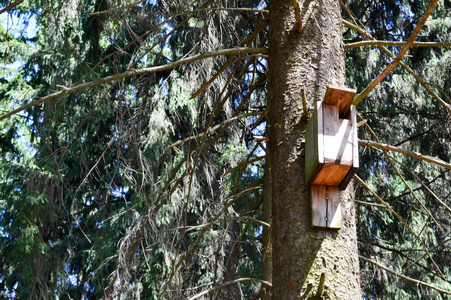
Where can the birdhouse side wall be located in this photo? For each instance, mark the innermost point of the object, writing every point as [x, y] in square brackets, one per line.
[314, 152]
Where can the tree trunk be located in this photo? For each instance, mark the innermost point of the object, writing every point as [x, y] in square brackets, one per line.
[310, 60]
[267, 272]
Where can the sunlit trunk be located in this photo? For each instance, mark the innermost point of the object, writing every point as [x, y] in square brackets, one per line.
[309, 60]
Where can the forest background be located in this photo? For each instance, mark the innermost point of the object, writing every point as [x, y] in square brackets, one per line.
[133, 146]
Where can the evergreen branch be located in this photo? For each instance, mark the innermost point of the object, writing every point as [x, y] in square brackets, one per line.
[394, 43]
[247, 162]
[228, 121]
[400, 55]
[232, 257]
[403, 276]
[117, 9]
[229, 283]
[137, 72]
[249, 39]
[424, 185]
[229, 201]
[401, 220]
[427, 158]
[402, 178]
[425, 85]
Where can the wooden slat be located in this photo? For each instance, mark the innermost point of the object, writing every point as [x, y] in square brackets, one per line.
[338, 137]
[325, 213]
[355, 151]
[331, 174]
[314, 153]
[355, 141]
[341, 97]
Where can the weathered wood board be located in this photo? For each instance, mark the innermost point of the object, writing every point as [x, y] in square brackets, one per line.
[331, 142]
[325, 203]
[331, 155]
[340, 97]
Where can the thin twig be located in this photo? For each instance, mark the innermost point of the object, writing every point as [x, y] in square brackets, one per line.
[247, 162]
[420, 156]
[401, 220]
[369, 204]
[393, 43]
[400, 55]
[403, 276]
[364, 33]
[229, 283]
[194, 11]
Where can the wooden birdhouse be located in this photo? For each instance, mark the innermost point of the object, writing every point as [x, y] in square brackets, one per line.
[331, 154]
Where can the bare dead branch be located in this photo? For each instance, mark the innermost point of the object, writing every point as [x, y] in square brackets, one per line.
[11, 6]
[229, 283]
[401, 220]
[228, 121]
[427, 158]
[364, 33]
[403, 276]
[298, 16]
[400, 55]
[369, 204]
[393, 43]
[131, 73]
[190, 12]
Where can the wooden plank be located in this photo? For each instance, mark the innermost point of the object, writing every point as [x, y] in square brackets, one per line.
[314, 157]
[355, 139]
[331, 175]
[325, 207]
[320, 132]
[341, 97]
[355, 151]
[338, 137]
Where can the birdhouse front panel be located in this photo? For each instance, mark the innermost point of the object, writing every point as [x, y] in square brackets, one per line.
[331, 147]
[338, 137]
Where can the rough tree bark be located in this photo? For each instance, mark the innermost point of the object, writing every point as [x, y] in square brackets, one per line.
[311, 60]
[267, 271]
